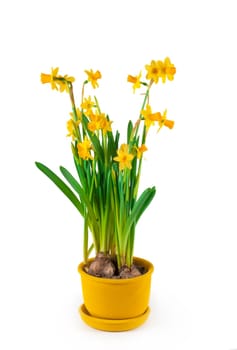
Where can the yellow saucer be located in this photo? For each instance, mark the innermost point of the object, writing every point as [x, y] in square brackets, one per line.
[108, 325]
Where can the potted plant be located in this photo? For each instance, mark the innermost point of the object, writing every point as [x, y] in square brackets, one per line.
[105, 191]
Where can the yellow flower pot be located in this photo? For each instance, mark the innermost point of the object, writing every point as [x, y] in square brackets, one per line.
[116, 304]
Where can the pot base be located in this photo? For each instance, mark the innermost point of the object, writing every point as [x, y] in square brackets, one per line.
[108, 325]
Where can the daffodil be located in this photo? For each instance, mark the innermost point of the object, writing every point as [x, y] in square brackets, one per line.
[140, 150]
[167, 70]
[149, 117]
[163, 121]
[105, 124]
[72, 124]
[135, 80]
[94, 123]
[57, 82]
[153, 71]
[124, 157]
[71, 128]
[84, 149]
[87, 105]
[50, 78]
[93, 77]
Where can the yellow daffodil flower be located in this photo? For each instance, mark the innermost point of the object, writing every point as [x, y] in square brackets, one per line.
[135, 81]
[149, 117]
[94, 123]
[163, 121]
[153, 71]
[160, 69]
[140, 150]
[93, 77]
[71, 127]
[56, 81]
[105, 124]
[167, 70]
[84, 149]
[87, 105]
[124, 157]
[50, 78]
[99, 122]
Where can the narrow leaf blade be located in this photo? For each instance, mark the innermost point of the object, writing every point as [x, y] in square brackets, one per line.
[61, 185]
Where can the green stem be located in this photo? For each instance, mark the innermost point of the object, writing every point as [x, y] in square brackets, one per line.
[85, 243]
[97, 104]
[137, 124]
[83, 90]
[74, 110]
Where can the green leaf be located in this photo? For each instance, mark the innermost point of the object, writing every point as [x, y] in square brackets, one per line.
[143, 202]
[139, 207]
[129, 131]
[61, 185]
[70, 178]
[112, 142]
[80, 172]
[84, 197]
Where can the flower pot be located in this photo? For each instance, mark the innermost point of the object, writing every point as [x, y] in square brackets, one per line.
[116, 304]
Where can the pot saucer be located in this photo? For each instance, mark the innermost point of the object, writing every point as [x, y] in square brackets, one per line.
[108, 325]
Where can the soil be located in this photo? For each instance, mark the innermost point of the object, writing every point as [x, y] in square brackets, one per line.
[105, 266]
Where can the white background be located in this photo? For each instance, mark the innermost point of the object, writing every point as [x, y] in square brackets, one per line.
[189, 232]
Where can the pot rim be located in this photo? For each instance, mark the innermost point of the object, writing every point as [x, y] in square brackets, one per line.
[147, 264]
